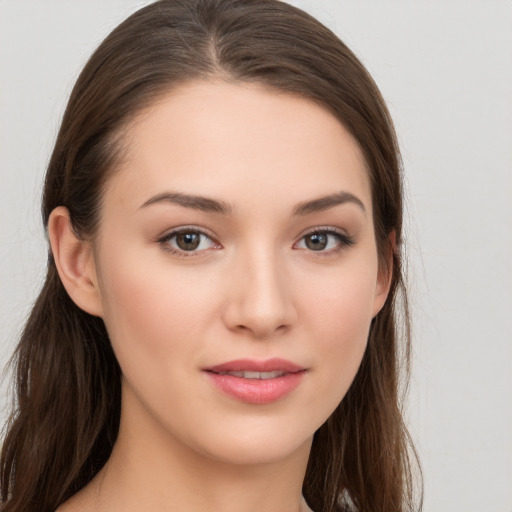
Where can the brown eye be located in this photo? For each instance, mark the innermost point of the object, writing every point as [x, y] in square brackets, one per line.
[316, 241]
[325, 241]
[188, 241]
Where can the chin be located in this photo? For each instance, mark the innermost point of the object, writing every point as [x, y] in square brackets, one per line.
[254, 441]
[259, 450]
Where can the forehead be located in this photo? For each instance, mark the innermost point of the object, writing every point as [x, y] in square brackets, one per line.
[238, 141]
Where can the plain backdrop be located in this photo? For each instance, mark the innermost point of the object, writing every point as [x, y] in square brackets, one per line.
[445, 69]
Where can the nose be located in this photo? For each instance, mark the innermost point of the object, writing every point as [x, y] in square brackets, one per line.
[260, 300]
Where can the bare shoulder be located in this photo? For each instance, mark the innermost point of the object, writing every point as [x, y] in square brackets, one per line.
[82, 501]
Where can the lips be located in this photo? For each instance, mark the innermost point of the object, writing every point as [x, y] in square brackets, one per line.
[255, 375]
[251, 365]
[256, 382]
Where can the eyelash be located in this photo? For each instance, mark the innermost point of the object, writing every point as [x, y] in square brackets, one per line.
[164, 241]
[344, 240]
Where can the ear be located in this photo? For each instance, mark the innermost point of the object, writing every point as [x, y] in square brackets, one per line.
[385, 275]
[74, 259]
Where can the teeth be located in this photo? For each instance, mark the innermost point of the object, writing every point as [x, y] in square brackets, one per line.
[255, 375]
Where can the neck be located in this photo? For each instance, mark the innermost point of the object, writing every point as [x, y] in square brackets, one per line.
[164, 475]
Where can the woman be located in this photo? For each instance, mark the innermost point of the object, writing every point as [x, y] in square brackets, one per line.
[218, 326]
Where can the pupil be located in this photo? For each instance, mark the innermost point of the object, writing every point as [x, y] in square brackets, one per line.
[317, 242]
[188, 241]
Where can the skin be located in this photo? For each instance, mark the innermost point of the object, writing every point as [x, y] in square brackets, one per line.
[252, 289]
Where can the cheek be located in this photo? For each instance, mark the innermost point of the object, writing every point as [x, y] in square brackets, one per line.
[150, 315]
[340, 312]
[343, 300]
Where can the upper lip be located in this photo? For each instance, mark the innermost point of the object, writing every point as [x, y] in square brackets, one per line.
[252, 365]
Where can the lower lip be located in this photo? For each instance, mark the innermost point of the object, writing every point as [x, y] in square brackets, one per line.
[256, 391]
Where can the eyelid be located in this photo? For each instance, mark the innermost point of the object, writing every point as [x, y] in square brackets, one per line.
[171, 233]
[344, 238]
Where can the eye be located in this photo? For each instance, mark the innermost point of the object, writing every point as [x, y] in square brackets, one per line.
[187, 240]
[325, 240]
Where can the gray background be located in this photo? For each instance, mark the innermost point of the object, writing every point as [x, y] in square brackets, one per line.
[445, 70]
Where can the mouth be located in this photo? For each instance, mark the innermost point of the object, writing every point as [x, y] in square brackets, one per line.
[254, 375]
[256, 382]
[254, 366]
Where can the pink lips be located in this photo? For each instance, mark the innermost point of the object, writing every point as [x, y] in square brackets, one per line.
[256, 382]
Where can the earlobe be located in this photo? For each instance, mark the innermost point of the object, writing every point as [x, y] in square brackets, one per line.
[74, 259]
[385, 275]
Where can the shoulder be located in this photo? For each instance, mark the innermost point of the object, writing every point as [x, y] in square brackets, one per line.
[83, 501]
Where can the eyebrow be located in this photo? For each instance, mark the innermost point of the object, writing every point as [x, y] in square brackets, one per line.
[204, 204]
[210, 205]
[325, 202]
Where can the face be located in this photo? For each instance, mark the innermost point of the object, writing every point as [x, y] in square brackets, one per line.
[237, 270]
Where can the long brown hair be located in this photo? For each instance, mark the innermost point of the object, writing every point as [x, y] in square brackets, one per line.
[68, 382]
